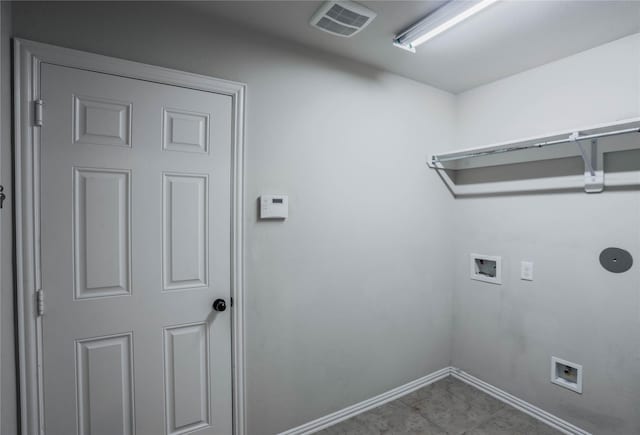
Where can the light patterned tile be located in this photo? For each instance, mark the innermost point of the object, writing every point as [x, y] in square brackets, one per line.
[453, 406]
[397, 418]
[440, 386]
[446, 407]
[347, 427]
[392, 418]
[510, 421]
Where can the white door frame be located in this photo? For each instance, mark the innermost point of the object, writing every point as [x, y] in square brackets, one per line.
[28, 56]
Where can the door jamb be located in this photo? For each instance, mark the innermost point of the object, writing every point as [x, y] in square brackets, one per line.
[28, 56]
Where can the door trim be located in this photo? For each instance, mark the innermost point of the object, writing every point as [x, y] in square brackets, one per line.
[28, 56]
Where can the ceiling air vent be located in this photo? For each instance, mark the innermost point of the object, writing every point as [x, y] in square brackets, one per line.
[345, 18]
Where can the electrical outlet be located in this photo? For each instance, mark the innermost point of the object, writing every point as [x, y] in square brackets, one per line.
[526, 270]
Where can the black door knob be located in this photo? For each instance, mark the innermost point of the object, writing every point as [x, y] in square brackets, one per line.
[219, 305]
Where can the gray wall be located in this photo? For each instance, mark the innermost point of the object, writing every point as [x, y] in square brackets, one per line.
[352, 295]
[8, 418]
[573, 309]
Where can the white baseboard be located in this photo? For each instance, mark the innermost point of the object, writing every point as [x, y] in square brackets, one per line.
[374, 402]
[526, 407]
[366, 405]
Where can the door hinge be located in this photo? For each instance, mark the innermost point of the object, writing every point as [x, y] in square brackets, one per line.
[40, 302]
[37, 112]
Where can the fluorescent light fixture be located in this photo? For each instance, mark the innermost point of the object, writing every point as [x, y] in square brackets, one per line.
[442, 19]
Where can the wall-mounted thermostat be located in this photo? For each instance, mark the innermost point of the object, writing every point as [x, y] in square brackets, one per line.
[274, 207]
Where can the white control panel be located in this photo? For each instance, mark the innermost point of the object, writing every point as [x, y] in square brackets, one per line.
[274, 207]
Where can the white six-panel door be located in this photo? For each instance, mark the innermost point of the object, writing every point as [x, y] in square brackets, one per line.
[135, 247]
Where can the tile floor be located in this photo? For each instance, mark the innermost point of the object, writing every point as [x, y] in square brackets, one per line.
[446, 407]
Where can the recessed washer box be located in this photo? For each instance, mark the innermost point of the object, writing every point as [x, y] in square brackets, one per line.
[566, 374]
[487, 268]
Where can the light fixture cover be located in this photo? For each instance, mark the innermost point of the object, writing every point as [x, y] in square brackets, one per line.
[445, 17]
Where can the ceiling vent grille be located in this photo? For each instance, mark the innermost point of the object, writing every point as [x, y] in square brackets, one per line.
[345, 18]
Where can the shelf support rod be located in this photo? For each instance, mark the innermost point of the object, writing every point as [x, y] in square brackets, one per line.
[588, 161]
[593, 171]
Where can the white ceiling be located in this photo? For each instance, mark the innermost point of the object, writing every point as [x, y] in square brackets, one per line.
[507, 38]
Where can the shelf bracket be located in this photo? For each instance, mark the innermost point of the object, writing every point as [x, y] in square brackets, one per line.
[593, 165]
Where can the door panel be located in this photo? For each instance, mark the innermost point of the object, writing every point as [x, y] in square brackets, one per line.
[186, 377]
[185, 231]
[101, 232]
[135, 240]
[185, 131]
[101, 121]
[105, 385]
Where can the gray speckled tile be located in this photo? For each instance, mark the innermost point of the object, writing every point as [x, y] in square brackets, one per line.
[461, 388]
[397, 418]
[510, 421]
[446, 407]
[453, 405]
[448, 384]
[393, 418]
[441, 386]
[347, 427]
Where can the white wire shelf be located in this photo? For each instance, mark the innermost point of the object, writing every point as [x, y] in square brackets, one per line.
[590, 143]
